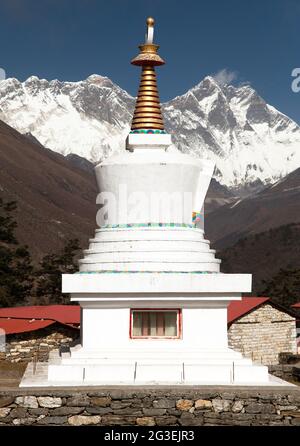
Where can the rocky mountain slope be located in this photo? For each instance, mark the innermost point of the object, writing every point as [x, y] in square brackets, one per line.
[274, 206]
[56, 199]
[264, 254]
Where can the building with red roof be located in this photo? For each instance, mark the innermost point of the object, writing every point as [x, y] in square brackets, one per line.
[261, 329]
[238, 309]
[35, 330]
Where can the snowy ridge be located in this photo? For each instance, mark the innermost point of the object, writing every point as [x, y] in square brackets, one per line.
[249, 140]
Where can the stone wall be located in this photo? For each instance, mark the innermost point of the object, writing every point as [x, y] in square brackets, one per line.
[24, 347]
[283, 371]
[288, 367]
[262, 334]
[208, 406]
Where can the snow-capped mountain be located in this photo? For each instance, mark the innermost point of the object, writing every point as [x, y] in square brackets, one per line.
[249, 140]
[89, 118]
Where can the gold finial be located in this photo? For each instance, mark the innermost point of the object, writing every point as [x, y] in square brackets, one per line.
[150, 21]
[147, 114]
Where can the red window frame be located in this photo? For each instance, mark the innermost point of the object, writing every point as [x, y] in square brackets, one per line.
[156, 310]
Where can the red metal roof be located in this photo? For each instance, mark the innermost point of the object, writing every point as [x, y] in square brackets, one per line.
[66, 314]
[11, 326]
[25, 319]
[237, 309]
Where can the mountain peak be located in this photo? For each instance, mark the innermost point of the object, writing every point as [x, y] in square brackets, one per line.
[32, 79]
[97, 79]
[210, 79]
[208, 83]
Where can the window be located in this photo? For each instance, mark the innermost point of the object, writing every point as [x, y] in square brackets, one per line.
[155, 324]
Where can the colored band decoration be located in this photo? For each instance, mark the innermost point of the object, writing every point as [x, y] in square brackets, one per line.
[111, 271]
[196, 217]
[148, 225]
[149, 131]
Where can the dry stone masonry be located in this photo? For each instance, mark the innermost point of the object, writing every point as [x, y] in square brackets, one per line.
[152, 407]
[24, 347]
[263, 334]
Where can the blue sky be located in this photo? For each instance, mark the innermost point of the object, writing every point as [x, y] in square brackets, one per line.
[258, 40]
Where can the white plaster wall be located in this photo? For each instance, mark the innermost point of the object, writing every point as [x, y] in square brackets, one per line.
[105, 328]
[96, 286]
[147, 177]
[205, 327]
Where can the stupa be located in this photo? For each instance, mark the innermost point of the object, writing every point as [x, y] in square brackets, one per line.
[153, 300]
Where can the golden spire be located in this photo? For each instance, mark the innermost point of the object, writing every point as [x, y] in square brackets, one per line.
[147, 113]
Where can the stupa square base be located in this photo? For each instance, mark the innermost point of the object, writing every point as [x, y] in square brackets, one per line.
[159, 374]
[162, 366]
[148, 374]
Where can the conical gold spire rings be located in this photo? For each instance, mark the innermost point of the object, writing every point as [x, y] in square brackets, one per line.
[147, 114]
